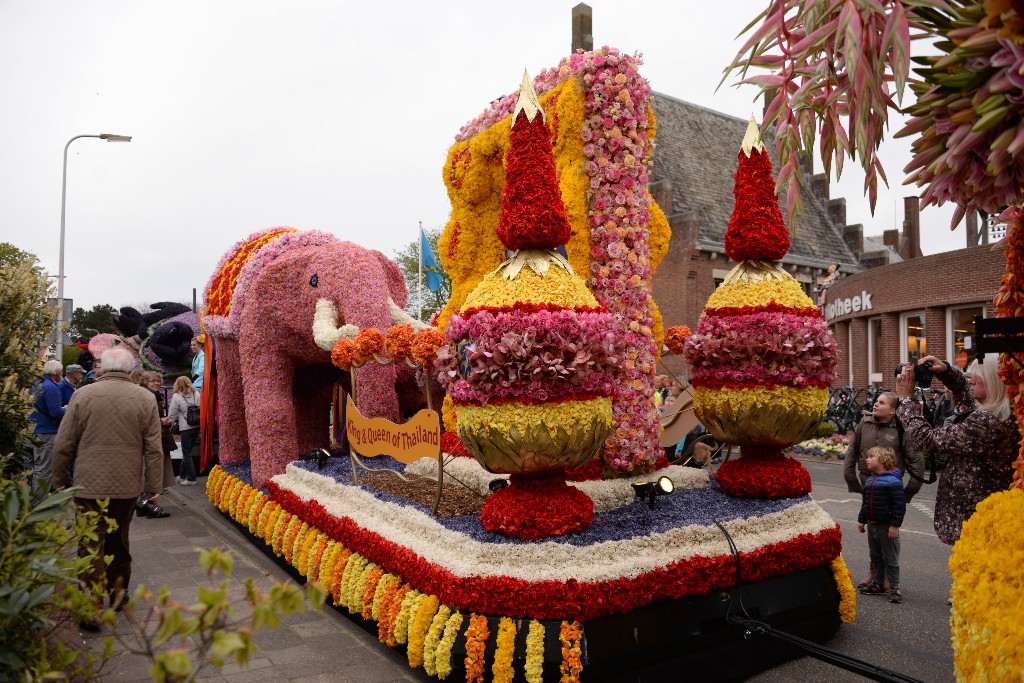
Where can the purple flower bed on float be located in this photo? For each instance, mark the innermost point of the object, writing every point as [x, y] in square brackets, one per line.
[682, 508]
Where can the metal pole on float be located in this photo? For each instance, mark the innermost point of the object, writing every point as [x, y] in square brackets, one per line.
[419, 276]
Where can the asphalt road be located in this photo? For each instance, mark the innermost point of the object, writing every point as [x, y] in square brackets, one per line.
[912, 638]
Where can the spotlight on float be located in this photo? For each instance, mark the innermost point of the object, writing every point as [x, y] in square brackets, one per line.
[496, 485]
[652, 489]
[321, 455]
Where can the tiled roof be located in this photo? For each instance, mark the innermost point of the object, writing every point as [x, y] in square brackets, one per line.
[696, 148]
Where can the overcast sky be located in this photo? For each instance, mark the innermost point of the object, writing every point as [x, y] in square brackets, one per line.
[315, 114]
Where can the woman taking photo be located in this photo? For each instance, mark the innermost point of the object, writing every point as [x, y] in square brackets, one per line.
[981, 439]
[185, 396]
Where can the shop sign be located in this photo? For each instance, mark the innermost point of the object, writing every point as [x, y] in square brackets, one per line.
[861, 302]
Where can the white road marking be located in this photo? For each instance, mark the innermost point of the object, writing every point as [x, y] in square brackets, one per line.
[835, 500]
[921, 507]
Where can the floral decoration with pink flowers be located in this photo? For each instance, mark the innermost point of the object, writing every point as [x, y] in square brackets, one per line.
[540, 356]
[227, 326]
[777, 348]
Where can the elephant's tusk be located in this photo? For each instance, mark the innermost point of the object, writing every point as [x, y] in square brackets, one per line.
[326, 332]
[400, 317]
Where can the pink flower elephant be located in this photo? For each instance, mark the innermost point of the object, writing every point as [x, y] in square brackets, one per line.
[276, 305]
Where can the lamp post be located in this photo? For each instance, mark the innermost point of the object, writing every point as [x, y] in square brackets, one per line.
[109, 137]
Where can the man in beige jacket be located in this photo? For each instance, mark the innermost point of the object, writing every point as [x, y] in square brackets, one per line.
[110, 434]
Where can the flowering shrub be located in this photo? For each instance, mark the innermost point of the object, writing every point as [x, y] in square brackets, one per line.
[829, 447]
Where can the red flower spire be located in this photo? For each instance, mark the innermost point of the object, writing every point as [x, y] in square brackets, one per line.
[756, 231]
[532, 212]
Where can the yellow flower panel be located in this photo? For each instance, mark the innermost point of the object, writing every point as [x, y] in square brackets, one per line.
[785, 292]
[988, 578]
[474, 176]
[557, 287]
[522, 415]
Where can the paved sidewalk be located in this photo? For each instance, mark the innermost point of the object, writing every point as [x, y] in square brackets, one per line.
[311, 646]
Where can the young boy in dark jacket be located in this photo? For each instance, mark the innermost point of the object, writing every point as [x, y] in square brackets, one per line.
[882, 510]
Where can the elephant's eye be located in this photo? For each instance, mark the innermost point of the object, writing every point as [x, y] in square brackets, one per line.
[313, 281]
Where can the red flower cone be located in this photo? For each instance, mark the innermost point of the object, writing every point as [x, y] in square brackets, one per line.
[532, 212]
[756, 231]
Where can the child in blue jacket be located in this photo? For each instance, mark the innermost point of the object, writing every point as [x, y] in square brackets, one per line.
[882, 510]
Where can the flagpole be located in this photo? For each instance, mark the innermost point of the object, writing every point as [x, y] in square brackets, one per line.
[420, 278]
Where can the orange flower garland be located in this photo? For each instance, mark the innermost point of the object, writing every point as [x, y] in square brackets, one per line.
[368, 341]
[398, 341]
[675, 337]
[342, 354]
[570, 634]
[1009, 303]
[476, 644]
[370, 592]
[424, 349]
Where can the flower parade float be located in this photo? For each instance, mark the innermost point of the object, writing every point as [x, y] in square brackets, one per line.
[553, 579]
[762, 356]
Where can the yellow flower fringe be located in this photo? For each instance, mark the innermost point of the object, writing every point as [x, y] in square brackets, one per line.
[524, 416]
[419, 620]
[534, 668]
[988, 579]
[433, 638]
[501, 670]
[443, 655]
[847, 592]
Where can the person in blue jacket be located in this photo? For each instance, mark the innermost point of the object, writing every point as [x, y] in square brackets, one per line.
[198, 363]
[46, 415]
[882, 509]
[73, 375]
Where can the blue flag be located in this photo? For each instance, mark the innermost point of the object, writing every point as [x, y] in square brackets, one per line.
[429, 264]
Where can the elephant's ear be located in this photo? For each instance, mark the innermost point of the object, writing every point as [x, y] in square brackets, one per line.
[394, 277]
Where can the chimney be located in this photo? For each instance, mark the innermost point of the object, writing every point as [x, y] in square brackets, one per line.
[911, 228]
[582, 28]
[819, 185]
[854, 236]
[972, 228]
[891, 238]
[837, 211]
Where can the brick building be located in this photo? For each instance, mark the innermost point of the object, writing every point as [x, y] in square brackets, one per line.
[903, 311]
[695, 160]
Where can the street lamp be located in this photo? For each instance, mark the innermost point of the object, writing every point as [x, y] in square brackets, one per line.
[109, 137]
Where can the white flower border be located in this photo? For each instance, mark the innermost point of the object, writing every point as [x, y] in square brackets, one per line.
[465, 557]
[607, 495]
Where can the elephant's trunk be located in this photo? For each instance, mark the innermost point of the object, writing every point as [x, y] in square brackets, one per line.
[326, 332]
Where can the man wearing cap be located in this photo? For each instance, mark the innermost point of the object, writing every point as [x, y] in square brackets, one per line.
[73, 375]
[46, 416]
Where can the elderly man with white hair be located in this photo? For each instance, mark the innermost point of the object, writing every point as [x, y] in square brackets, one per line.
[111, 432]
[46, 416]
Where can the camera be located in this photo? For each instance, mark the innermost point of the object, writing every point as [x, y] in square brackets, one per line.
[922, 373]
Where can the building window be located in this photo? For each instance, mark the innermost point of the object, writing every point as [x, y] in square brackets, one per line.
[960, 337]
[913, 344]
[875, 371]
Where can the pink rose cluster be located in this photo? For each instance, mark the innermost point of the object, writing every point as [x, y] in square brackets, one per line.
[534, 356]
[759, 348]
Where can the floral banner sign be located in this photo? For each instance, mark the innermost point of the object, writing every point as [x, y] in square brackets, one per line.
[418, 438]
